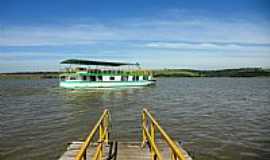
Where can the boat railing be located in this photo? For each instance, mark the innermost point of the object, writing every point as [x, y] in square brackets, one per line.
[112, 72]
[149, 128]
[102, 126]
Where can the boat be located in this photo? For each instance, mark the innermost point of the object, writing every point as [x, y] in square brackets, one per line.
[103, 74]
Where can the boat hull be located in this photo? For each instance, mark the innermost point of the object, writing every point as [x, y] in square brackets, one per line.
[85, 85]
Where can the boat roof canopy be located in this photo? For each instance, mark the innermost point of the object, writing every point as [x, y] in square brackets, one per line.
[100, 63]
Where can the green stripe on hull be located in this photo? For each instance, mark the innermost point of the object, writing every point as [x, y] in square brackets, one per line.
[85, 84]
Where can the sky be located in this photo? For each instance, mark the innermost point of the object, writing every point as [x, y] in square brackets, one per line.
[36, 35]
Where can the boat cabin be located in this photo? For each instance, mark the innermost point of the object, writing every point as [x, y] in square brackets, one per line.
[97, 71]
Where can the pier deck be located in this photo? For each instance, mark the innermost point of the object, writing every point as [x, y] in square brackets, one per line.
[119, 151]
[104, 149]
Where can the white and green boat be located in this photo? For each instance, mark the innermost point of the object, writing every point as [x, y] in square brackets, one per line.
[100, 74]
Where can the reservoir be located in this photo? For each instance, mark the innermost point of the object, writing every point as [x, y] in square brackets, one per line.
[214, 118]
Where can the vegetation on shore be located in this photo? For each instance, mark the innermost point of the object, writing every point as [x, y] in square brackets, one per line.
[29, 75]
[241, 72]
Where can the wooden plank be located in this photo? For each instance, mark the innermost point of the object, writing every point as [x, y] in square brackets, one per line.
[74, 147]
[132, 151]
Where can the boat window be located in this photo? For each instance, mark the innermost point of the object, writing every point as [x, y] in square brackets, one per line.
[81, 69]
[93, 78]
[72, 78]
[112, 78]
[133, 78]
[84, 78]
[145, 77]
[137, 78]
[124, 78]
[62, 78]
[99, 78]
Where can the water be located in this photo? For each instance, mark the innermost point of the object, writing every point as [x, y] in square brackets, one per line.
[215, 118]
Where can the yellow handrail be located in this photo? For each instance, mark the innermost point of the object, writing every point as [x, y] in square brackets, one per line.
[154, 150]
[150, 137]
[102, 125]
[99, 151]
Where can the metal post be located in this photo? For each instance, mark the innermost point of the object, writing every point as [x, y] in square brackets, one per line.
[152, 134]
[100, 153]
[173, 155]
[106, 126]
[106, 129]
[143, 132]
[101, 132]
[152, 131]
[84, 156]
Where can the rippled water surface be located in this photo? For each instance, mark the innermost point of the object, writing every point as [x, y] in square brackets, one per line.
[216, 118]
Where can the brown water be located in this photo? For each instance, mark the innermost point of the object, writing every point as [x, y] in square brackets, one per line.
[215, 118]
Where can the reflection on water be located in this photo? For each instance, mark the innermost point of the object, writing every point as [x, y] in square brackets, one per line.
[216, 118]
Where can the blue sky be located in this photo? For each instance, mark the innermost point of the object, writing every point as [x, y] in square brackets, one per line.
[35, 35]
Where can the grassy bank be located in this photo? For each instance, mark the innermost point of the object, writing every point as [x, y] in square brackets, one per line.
[29, 75]
[242, 72]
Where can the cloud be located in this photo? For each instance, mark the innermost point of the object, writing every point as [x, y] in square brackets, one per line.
[196, 29]
[172, 40]
[209, 46]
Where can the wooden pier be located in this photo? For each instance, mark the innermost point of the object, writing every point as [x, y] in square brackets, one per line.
[149, 148]
[119, 151]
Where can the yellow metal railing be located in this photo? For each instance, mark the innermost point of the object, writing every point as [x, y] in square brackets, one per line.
[103, 127]
[149, 136]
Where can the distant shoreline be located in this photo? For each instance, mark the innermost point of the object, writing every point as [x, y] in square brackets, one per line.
[241, 72]
[30, 75]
